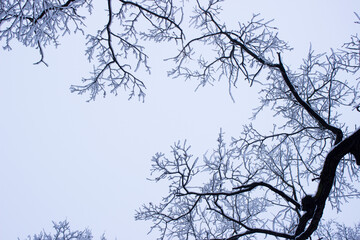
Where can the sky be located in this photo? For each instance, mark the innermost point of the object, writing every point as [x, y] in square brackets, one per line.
[88, 162]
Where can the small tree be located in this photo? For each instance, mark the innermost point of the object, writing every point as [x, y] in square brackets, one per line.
[63, 232]
[258, 184]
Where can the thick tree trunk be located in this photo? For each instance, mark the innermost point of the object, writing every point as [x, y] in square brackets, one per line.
[350, 145]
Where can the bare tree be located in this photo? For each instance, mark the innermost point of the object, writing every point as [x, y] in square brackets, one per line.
[258, 184]
[63, 232]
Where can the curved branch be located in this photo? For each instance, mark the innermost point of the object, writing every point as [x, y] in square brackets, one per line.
[166, 18]
[348, 145]
[250, 230]
[338, 133]
[247, 188]
[46, 10]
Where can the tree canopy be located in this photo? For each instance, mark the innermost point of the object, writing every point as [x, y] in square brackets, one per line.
[257, 184]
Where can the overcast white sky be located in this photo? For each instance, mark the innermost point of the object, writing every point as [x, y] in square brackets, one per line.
[63, 158]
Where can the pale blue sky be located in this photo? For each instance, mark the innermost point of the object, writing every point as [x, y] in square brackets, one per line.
[63, 158]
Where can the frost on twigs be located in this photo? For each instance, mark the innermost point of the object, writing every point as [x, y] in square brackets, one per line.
[218, 53]
[39, 23]
[117, 48]
[114, 76]
[63, 232]
[253, 186]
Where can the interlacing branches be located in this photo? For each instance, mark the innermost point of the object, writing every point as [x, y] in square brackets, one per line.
[117, 49]
[259, 184]
[40, 23]
[227, 54]
[114, 49]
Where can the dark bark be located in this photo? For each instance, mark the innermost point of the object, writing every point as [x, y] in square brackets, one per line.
[348, 145]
